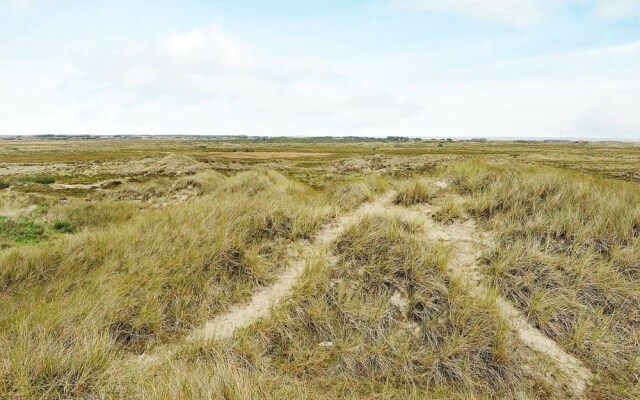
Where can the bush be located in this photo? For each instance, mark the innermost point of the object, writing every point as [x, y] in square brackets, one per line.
[41, 179]
[64, 227]
[4, 185]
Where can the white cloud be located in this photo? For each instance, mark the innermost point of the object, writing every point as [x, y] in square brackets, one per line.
[511, 12]
[24, 5]
[209, 44]
[615, 112]
[527, 108]
[618, 9]
[523, 12]
[140, 75]
[206, 81]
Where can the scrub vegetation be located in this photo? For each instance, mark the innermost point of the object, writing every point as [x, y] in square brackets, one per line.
[113, 253]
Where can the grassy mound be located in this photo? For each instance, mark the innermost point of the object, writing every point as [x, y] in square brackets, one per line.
[165, 189]
[568, 255]
[93, 215]
[39, 179]
[74, 308]
[449, 210]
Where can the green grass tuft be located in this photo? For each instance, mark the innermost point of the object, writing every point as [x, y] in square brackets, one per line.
[20, 230]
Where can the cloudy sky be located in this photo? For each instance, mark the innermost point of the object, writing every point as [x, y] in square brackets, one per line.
[434, 68]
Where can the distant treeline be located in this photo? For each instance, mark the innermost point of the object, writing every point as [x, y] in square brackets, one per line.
[263, 139]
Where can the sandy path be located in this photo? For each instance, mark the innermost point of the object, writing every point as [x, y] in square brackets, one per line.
[468, 242]
[224, 325]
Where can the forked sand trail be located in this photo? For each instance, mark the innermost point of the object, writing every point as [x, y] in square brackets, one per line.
[224, 325]
[467, 241]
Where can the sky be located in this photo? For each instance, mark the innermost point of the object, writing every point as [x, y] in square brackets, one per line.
[561, 69]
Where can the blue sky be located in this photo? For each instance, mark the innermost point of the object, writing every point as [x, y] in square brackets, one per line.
[448, 68]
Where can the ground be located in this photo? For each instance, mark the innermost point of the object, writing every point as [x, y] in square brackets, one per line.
[319, 268]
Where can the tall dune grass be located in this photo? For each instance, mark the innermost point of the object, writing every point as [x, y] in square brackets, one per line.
[74, 307]
[568, 255]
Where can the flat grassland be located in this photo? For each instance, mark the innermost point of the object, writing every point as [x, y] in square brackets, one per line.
[319, 268]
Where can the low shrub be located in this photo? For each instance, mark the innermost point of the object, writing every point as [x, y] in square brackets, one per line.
[64, 227]
[41, 179]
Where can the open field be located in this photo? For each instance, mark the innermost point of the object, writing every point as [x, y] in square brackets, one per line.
[287, 268]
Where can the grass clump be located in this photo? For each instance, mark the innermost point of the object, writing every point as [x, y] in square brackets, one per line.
[14, 202]
[4, 185]
[449, 210]
[20, 230]
[164, 190]
[258, 181]
[415, 191]
[203, 182]
[350, 195]
[201, 373]
[94, 215]
[472, 176]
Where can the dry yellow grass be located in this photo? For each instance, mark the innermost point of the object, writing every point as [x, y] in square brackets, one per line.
[103, 303]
